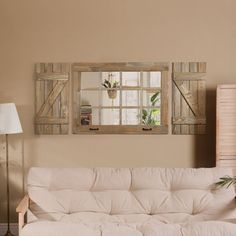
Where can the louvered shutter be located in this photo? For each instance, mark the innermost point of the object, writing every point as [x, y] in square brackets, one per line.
[226, 126]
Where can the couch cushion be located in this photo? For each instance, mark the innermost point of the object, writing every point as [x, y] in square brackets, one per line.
[122, 191]
[48, 228]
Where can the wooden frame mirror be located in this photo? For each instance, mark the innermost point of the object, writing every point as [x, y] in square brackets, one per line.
[122, 98]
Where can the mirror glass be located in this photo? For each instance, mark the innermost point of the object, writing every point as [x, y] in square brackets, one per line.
[120, 98]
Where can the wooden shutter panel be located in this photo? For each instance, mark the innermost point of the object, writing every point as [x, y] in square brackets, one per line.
[188, 98]
[226, 126]
[52, 98]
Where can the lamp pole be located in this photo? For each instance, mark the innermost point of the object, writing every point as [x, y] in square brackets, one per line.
[8, 233]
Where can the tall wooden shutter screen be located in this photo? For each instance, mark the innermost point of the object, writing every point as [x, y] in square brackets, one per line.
[226, 126]
[52, 98]
[188, 98]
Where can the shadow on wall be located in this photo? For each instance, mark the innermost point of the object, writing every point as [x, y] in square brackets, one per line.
[205, 145]
[15, 177]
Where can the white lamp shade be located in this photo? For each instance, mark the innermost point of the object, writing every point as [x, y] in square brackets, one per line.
[9, 119]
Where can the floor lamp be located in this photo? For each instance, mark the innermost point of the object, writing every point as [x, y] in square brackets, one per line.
[9, 124]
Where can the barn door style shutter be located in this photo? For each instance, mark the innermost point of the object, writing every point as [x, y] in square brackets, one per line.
[189, 98]
[52, 98]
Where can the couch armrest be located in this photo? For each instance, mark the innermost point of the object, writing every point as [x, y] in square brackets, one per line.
[21, 210]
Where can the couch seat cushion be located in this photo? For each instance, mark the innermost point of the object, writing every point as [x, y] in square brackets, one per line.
[101, 218]
[149, 228]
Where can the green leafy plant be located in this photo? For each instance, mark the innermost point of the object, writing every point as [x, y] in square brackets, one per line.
[110, 84]
[149, 117]
[226, 181]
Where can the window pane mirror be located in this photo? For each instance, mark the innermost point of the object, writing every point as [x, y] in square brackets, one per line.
[120, 98]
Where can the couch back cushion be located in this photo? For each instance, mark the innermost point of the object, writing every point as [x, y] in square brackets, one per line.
[129, 191]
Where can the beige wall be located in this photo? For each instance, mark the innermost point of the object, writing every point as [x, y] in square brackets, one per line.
[110, 31]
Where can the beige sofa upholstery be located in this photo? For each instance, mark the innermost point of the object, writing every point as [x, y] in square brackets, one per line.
[129, 202]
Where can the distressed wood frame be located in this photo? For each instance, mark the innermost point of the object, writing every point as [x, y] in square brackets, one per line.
[77, 68]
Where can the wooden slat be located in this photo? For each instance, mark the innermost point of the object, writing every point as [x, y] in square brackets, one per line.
[176, 99]
[188, 120]
[202, 104]
[125, 129]
[52, 120]
[189, 76]
[48, 67]
[76, 105]
[122, 66]
[100, 100]
[52, 76]
[64, 104]
[227, 86]
[228, 157]
[202, 66]
[227, 163]
[202, 97]
[141, 97]
[40, 96]
[126, 107]
[184, 106]
[164, 98]
[56, 108]
[38, 101]
[48, 88]
[193, 68]
[151, 90]
[193, 88]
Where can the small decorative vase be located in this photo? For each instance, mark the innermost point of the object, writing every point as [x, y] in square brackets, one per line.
[112, 93]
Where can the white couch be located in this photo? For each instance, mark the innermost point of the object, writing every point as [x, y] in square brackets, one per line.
[128, 202]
